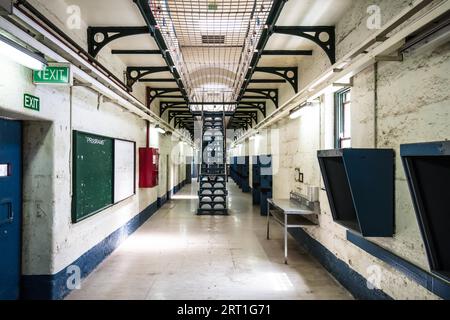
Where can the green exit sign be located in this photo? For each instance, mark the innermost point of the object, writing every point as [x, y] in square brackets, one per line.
[213, 6]
[31, 102]
[59, 74]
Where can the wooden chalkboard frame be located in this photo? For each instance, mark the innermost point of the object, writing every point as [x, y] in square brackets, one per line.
[76, 219]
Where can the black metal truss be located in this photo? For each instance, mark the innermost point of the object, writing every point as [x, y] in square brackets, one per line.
[315, 34]
[184, 118]
[154, 93]
[260, 105]
[163, 106]
[183, 114]
[245, 123]
[136, 52]
[290, 74]
[157, 80]
[144, 8]
[133, 74]
[184, 123]
[267, 81]
[239, 114]
[269, 94]
[179, 109]
[287, 52]
[110, 34]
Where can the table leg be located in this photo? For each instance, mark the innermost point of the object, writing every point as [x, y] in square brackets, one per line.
[285, 239]
[268, 221]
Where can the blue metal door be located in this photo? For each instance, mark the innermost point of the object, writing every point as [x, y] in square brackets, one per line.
[10, 208]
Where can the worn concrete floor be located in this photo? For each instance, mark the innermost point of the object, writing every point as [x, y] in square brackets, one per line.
[178, 255]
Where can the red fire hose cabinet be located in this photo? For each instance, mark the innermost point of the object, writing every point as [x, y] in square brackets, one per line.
[148, 167]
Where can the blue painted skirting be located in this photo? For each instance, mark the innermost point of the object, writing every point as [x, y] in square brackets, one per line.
[53, 287]
[355, 283]
[427, 280]
[161, 200]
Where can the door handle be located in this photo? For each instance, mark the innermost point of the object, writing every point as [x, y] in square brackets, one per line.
[9, 213]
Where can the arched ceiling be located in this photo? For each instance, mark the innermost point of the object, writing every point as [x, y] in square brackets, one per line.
[211, 41]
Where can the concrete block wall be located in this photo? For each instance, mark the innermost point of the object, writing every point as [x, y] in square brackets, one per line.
[413, 100]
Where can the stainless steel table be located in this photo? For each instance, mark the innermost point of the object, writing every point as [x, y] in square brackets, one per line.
[295, 212]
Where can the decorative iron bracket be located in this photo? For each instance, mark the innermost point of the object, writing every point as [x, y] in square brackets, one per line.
[241, 122]
[184, 123]
[259, 81]
[260, 105]
[184, 114]
[270, 94]
[290, 74]
[153, 93]
[324, 36]
[108, 34]
[247, 114]
[135, 73]
[163, 106]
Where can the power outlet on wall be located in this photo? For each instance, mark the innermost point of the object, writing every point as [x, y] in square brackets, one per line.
[300, 177]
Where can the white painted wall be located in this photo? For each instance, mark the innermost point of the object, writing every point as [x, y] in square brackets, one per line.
[413, 106]
[51, 240]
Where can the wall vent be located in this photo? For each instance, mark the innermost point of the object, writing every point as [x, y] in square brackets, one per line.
[213, 39]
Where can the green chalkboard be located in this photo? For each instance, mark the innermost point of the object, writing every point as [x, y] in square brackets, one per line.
[93, 169]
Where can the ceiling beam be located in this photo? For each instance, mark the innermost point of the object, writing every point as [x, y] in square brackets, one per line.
[180, 109]
[269, 94]
[134, 74]
[287, 53]
[255, 81]
[260, 105]
[154, 93]
[109, 34]
[165, 105]
[314, 34]
[290, 74]
[212, 103]
[157, 80]
[173, 114]
[135, 52]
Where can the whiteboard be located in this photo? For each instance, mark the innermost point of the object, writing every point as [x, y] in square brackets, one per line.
[124, 169]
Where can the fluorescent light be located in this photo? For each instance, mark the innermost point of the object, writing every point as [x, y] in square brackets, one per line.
[321, 79]
[255, 136]
[299, 111]
[160, 130]
[295, 113]
[21, 55]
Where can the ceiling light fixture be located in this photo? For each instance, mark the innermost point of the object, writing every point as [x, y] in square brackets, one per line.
[255, 136]
[159, 129]
[21, 55]
[298, 111]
